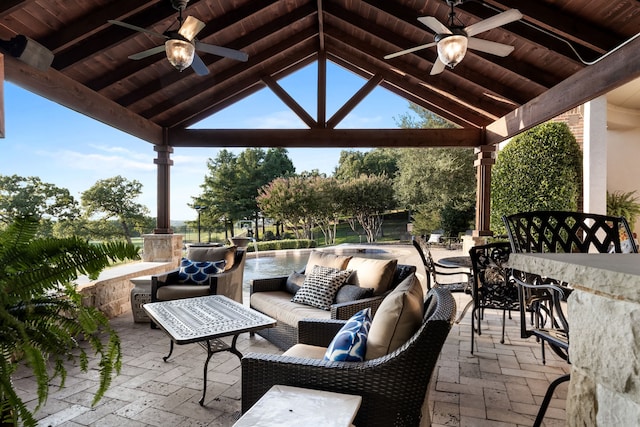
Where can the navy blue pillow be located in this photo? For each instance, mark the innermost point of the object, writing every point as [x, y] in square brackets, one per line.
[198, 272]
[350, 343]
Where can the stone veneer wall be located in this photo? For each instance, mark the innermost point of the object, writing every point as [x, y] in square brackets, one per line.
[605, 370]
[111, 292]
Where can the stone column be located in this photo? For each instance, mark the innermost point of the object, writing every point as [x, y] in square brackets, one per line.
[162, 248]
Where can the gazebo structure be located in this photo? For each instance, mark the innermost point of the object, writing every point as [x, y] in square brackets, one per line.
[565, 54]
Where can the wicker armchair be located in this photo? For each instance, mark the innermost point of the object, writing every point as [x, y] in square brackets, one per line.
[393, 387]
[228, 283]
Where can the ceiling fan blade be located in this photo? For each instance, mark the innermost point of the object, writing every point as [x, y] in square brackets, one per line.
[487, 46]
[190, 27]
[148, 52]
[413, 49]
[437, 68]
[199, 66]
[136, 28]
[435, 25]
[222, 51]
[493, 22]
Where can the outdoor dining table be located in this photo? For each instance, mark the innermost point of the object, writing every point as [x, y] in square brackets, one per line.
[461, 261]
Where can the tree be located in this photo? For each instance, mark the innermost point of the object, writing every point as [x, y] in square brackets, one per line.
[115, 198]
[437, 184]
[43, 318]
[365, 200]
[231, 186]
[540, 169]
[20, 196]
[290, 201]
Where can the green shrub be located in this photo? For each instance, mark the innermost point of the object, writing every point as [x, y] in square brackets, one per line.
[623, 204]
[274, 245]
[540, 169]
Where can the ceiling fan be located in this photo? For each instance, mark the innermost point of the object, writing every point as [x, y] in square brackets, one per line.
[180, 45]
[452, 40]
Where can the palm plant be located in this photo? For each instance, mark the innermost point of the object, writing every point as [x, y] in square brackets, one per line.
[42, 319]
[623, 204]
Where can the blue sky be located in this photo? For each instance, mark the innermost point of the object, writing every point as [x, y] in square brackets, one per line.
[73, 151]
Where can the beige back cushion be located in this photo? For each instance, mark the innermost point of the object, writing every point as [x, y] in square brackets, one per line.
[326, 260]
[372, 273]
[397, 319]
[227, 253]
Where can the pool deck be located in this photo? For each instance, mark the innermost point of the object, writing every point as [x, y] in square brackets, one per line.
[500, 386]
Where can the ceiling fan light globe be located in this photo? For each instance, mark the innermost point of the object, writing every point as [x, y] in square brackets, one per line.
[451, 49]
[179, 53]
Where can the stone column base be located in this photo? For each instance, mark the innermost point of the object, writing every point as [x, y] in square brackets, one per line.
[470, 241]
[162, 248]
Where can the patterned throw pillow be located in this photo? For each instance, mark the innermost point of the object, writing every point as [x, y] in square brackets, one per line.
[198, 272]
[350, 343]
[320, 287]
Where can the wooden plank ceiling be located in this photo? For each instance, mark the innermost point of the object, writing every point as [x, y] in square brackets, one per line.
[150, 99]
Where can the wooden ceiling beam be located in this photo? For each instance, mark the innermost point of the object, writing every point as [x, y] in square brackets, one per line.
[289, 101]
[204, 107]
[316, 138]
[232, 95]
[348, 106]
[61, 89]
[617, 69]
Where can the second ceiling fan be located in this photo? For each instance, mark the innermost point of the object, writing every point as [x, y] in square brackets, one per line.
[453, 40]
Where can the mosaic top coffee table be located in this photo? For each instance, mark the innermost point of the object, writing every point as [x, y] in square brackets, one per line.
[204, 320]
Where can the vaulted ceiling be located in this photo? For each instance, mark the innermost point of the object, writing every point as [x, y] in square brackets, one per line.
[488, 97]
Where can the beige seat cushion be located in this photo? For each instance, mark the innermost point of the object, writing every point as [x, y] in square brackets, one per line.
[277, 304]
[372, 273]
[397, 319]
[306, 351]
[227, 253]
[326, 260]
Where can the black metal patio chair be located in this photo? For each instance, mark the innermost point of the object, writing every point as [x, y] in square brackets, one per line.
[437, 274]
[491, 287]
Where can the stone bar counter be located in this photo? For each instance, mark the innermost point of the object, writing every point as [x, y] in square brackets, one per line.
[604, 340]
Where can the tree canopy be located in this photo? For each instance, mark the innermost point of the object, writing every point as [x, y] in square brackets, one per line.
[115, 198]
[29, 196]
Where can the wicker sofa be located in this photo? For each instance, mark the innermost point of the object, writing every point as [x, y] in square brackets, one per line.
[272, 296]
[393, 386]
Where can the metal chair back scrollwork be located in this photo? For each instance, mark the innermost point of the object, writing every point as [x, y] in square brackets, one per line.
[491, 287]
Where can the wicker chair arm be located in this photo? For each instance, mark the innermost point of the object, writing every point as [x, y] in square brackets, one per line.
[345, 310]
[318, 332]
[269, 284]
[164, 279]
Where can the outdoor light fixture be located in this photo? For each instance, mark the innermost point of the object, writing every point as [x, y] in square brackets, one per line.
[451, 47]
[179, 53]
[28, 51]
[199, 208]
